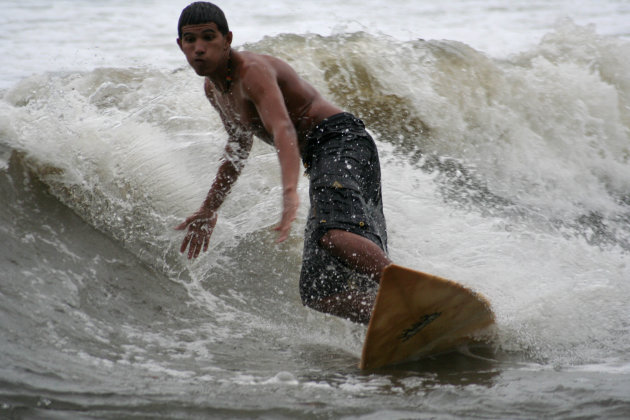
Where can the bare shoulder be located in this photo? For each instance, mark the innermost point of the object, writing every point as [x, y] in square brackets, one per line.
[253, 66]
[261, 61]
[261, 68]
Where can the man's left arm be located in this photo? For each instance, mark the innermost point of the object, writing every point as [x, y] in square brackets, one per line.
[261, 86]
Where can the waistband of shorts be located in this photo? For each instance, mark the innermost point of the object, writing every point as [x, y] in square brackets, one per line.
[334, 119]
[332, 123]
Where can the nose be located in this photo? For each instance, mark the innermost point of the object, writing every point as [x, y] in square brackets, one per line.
[199, 47]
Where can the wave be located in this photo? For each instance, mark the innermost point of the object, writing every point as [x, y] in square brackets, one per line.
[496, 165]
[547, 129]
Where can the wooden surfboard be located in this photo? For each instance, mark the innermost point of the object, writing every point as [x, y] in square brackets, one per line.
[417, 315]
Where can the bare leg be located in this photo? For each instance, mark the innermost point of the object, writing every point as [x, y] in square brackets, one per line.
[365, 257]
[356, 252]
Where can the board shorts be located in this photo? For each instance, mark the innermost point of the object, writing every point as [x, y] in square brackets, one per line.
[342, 163]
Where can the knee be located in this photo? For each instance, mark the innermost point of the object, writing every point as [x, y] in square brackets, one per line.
[331, 239]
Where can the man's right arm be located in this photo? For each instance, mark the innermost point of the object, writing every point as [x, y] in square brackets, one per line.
[236, 153]
[201, 224]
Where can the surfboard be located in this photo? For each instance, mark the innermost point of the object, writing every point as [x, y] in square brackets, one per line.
[417, 315]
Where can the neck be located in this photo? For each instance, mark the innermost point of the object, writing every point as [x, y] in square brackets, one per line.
[228, 76]
[224, 82]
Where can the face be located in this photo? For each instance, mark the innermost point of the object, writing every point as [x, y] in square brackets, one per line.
[205, 47]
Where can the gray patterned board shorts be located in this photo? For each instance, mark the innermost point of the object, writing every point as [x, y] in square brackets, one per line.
[342, 163]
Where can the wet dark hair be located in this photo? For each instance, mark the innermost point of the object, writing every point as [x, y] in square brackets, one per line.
[202, 12]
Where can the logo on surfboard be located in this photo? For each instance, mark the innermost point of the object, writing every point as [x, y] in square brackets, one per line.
[425, 320]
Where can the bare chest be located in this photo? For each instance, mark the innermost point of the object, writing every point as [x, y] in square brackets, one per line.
[239, 115]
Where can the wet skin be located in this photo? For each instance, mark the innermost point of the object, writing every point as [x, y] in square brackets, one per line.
[259, 95]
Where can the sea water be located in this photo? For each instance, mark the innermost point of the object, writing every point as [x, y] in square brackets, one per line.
[504, 134]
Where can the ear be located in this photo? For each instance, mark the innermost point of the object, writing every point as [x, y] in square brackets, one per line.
[228, 39]
[179, 42]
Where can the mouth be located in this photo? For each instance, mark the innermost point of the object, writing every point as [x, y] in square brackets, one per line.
[198, 63]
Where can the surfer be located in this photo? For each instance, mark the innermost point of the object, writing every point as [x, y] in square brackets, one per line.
[345, 243]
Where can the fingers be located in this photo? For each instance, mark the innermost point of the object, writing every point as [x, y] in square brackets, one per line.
[283, 233]
[195, 248]
[284, 228]
[196, 241]
[198, 236]
[185, 242]
[193, 245]
[290, 206]
[288, 216]
[206, 242]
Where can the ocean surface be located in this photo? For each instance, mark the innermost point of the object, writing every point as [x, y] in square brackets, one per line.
[504, 134]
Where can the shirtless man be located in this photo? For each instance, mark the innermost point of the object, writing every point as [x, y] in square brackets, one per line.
[257, 95]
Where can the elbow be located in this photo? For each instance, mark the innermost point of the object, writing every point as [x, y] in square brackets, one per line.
[285, 135]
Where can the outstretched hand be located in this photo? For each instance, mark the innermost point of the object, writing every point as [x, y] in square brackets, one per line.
[200, 227]
[291, 202]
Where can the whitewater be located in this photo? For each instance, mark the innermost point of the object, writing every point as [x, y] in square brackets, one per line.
[504, 135]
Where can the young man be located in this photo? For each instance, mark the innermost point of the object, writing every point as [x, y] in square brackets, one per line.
[257, 95]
